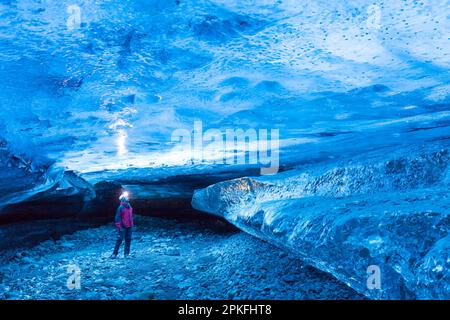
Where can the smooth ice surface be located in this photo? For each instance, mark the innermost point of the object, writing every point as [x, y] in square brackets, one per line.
[392, 214]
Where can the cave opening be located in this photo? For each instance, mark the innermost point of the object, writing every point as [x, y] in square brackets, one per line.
[45, 217]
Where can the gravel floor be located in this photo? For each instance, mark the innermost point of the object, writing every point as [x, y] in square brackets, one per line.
[170, 260]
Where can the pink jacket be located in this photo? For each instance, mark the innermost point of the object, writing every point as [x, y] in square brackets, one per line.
[124, 216]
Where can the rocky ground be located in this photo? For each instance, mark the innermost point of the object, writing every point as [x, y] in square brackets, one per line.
[170, 260]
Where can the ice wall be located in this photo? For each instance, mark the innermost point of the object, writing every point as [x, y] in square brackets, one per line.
[392, 214]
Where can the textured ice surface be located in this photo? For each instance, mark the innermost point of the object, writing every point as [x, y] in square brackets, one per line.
[393, 214]
[346, 82]
[334, 77]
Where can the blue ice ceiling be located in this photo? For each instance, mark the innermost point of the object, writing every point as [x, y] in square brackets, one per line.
[107, 93]
[359, 91]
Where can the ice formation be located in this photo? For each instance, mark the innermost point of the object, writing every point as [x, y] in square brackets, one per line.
[389, 214]
[91, 92]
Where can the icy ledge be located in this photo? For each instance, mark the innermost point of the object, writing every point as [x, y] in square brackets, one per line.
[393, 214]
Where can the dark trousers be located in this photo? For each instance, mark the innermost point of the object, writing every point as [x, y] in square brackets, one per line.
[124, 233]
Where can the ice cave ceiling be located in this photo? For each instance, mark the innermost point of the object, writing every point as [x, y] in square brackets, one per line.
[336, 78]
[91, 93]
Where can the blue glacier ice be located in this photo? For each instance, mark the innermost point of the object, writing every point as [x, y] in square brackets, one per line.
[91, 92]
[391, 213]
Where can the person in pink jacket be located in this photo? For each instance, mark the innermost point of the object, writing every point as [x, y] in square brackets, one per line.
[124, 225]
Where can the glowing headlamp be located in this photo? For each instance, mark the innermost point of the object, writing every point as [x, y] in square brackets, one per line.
[124, 196]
